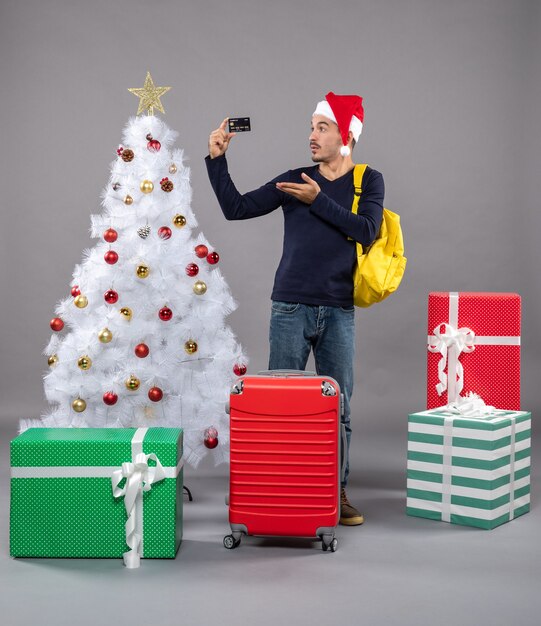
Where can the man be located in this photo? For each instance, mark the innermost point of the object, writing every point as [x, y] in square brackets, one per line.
[312, 298]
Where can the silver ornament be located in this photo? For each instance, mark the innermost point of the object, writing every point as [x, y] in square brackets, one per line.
[144, 231]
[116, 186]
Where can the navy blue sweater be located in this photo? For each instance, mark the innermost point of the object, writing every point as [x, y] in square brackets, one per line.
[319, 257]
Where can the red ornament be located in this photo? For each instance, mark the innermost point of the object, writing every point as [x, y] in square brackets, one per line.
[201, 251]
[164, 232]
[239, 369]
[155, 394]
[192, 269]
[154, 145]
[111, 257]
[119, 150]
[213, 258]
[57, 324]
[110, 235]
[141, 350]
[75, 291]
[110, 398]
[210, 438]
[110, 296]
[165, 314]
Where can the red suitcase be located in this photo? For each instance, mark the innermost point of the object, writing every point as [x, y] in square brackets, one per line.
[285, 457]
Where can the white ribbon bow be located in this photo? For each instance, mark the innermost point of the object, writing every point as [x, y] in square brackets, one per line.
[139, 477]
[458, 341]
[471, 405]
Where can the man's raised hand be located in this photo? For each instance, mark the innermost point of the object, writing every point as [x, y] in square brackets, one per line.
[219, 140]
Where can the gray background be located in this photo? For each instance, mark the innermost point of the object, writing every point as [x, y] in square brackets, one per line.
[451, 93]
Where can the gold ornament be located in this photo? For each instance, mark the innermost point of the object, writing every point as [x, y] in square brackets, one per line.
[85, 362]
[128, 199]
[172, 168]
[80, 301]
[199, 287]
[105, 335]
[179, 220]
[190, 346]
[78, 405]
[133, 383]
[146, 186]
[142, 271]
[126, 313]
[52, 360]
[150, 96]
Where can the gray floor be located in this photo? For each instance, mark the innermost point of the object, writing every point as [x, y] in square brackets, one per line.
[393, 570]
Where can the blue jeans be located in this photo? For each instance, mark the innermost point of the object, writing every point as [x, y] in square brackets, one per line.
[329, 331]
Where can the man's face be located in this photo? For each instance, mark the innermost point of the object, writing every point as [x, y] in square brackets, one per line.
[325, 139]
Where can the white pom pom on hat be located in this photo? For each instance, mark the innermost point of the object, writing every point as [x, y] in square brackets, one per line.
[347, 112]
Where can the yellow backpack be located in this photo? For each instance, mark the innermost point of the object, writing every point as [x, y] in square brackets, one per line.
[381, 266]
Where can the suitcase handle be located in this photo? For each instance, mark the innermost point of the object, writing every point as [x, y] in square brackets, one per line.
[282, 372]
[343, 448]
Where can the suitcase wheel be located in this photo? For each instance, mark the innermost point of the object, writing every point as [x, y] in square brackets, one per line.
[327, 544]
[230, 542]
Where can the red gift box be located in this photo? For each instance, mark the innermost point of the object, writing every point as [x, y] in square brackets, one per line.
[474, 345]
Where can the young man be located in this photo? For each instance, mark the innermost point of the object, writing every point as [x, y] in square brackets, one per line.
[312, 298]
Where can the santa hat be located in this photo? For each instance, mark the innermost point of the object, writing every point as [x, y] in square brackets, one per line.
[347, 112]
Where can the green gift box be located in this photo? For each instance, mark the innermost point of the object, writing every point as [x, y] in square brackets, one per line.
[94, 492]
[473, 471]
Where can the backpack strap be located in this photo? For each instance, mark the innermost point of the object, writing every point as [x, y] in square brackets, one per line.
[358, 173]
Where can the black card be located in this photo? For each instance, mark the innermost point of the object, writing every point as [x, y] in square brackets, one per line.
[239, 124]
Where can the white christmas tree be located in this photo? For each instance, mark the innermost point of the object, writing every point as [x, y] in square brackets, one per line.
[142, 340]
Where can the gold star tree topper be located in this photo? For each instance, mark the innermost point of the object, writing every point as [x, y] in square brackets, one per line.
[149, 96]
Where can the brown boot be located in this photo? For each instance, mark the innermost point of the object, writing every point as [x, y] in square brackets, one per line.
[349, 516]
